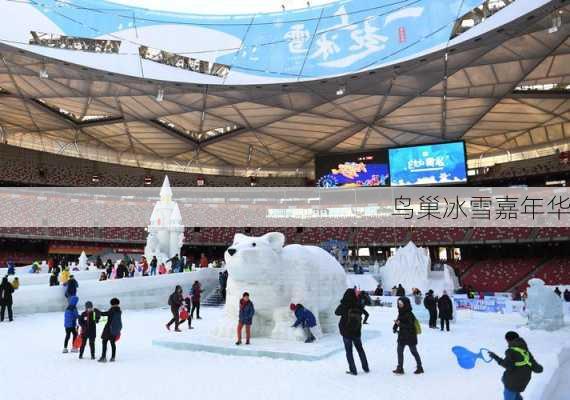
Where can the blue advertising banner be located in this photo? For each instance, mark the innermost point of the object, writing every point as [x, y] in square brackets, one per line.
[489, 304]
[428, 164]
[338, 38]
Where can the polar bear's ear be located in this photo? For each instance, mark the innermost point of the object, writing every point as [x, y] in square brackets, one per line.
[275, 239]
[238, 237]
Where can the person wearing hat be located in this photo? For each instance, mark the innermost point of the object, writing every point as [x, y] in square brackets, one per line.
[519, 364]
[88, 321]
[304, 318]
[112, 329]
[70, 323]
[430, 303]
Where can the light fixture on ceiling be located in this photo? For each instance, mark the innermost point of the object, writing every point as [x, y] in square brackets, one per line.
[341, 90]
[556, 23]
[160, 94]
[44, 72]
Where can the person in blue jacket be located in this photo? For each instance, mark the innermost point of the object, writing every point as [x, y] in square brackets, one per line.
[11, 268]
[70, 323]
[246, 312]
[71, 287]
[304, 318]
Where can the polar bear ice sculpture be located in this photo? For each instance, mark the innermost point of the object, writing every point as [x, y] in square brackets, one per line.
[543, 306]
[276, 276]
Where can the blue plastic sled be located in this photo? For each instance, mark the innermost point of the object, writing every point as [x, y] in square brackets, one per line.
[467, 358]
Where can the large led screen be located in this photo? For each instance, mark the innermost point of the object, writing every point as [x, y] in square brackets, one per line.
[431, 164]
[352, 170]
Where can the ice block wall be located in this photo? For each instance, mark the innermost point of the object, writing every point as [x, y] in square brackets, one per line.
[134, 293]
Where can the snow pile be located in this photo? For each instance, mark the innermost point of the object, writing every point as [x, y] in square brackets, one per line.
[544, 308]
[26, 358]
[411, 266]
[276, 276]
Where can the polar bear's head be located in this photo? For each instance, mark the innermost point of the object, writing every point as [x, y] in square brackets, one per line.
[254, 258]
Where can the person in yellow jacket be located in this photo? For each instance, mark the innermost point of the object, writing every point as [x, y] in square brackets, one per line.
[64, 276]
[16, 283]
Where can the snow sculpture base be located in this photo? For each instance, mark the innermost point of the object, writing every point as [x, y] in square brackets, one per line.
[260, 347]
[544, 308]
[276, 276]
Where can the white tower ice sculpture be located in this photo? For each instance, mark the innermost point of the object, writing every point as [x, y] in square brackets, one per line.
[165, 232]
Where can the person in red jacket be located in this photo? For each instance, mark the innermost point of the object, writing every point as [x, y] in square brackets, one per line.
[144, 266]
[203, 261]
[196, 292]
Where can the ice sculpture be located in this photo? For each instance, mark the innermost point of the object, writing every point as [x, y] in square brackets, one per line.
[83, 261]
[411, 266]
[165, 232]
[544, 308]
[276, 276]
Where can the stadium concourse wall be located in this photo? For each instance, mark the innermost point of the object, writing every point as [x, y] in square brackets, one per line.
[134, 293]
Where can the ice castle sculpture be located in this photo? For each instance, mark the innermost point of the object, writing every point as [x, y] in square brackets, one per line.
[411, 266]
[275, 276]
[83, 261]
[165, 232]
[544, 308]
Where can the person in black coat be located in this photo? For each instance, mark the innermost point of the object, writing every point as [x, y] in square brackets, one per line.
[6, 290]
[400, 291]
[112, 329]
[350, 326]
[567, 295]
[53, 281]
[379, 291]
[519, 365]
[88, 322]
[430, 303]
[122, 271]
[175, 301]
[71, 288]
[557, 291]
[109, 268]
[405, 327]
[445, 307]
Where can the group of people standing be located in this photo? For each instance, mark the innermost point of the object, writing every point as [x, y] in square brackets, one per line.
[406, 326]
[87, 323]
[442, 305]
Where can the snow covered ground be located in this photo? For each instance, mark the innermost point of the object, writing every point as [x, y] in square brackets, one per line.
[32, 366]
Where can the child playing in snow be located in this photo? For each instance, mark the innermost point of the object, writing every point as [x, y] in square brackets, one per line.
[88, 321]
[70, 323]
[519, 365]
[306, 319]
[246, 312]
[112, 329]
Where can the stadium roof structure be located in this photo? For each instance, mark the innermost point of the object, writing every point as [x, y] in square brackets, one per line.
[503, 87]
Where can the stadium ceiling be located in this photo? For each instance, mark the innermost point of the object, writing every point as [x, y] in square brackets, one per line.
[506, 90]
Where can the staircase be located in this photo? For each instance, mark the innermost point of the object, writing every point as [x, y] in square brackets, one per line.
[214, 299]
